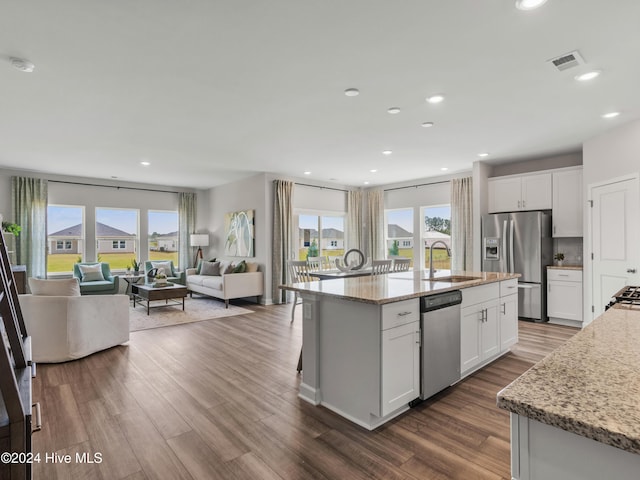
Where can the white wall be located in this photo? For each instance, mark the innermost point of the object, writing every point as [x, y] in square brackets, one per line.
[611, 155]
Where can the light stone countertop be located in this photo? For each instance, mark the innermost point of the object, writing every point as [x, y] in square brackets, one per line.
[564, 267]
[590, 386]
[394, 287]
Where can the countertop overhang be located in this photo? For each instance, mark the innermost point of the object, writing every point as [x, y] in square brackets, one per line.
[590, 386]
[395, 287]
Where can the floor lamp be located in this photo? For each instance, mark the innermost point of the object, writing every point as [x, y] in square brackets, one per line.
[199, 240]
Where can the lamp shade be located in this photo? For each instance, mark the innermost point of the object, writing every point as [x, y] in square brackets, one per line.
[199, 240]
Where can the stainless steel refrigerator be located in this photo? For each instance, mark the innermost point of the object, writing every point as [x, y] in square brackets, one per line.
[520, 243]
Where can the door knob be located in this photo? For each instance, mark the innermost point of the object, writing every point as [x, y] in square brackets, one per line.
[631, 270]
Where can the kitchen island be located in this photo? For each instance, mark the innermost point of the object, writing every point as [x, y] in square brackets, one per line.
[361, 337]
[576, 413]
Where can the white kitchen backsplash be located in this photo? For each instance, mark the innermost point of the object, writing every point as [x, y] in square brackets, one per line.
[572, 249]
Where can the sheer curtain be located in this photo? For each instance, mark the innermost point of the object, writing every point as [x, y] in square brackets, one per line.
[29, 201]
[354, 220]
[462, 224]
[282, 237]
[375, 223]
[186, 226]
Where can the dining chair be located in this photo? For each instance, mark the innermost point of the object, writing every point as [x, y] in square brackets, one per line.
[317, 264]
[401, 264]
[299, 272]
[380, 266]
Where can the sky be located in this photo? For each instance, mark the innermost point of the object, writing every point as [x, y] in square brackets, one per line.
[122, 219]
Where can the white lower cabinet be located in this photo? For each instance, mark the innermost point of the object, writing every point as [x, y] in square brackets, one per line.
[488, 323]
[564, 296]
[400, 366]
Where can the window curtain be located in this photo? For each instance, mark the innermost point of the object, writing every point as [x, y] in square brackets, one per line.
[462, 224]
[354, 220]
[29, 201]
[375, 223]
[186, 226]
[282, 237]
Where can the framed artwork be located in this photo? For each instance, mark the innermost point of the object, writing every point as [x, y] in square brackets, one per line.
[239, 234]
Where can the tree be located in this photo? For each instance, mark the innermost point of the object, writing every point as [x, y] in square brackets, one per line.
[312, 251]
[395, 248]
[438, 224]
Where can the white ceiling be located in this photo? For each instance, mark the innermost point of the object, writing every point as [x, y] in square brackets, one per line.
[211, 91]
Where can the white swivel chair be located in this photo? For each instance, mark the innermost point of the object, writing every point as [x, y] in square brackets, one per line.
[379, 267]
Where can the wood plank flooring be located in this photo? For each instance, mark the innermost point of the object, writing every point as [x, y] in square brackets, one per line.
[218, 399]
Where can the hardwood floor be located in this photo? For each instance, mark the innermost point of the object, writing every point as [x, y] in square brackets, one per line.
[218, 399]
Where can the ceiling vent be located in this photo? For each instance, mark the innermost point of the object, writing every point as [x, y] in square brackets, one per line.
[567, 61]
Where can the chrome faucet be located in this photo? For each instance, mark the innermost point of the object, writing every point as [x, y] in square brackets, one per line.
[431, 269]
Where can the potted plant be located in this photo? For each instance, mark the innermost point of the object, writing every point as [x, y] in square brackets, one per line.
[12, 228]
[559, 257]
[136, 266]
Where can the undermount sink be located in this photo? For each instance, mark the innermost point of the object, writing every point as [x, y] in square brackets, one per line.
[453, 279]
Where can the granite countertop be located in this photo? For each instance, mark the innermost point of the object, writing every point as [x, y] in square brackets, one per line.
[590, 386]
[394, 287]
[564, 267]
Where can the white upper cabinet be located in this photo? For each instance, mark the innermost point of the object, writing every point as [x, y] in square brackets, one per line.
[520, 193]
[567, 203]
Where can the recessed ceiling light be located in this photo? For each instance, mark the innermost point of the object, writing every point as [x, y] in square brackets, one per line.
[22, 64]
[585, 77]
[307, 173]
[366, 183]
[427, 124]
[435, 98]
[483, 154]
[529, 4]
[373, 170]
[352, 92]
[145, 163]
[444, 169]
[611, 115]
[387, 152]
[394, 110]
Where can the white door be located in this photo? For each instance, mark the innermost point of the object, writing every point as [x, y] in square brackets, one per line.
[615, 214]
[400, 366]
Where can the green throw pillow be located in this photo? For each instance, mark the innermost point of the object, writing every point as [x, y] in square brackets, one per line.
[240, 268]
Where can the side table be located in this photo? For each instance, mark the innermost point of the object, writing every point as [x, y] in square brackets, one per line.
[131, 280]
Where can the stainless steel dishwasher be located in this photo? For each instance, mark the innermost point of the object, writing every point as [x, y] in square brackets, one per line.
[440, 324]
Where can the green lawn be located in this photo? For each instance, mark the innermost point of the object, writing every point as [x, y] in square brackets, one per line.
[63, 262]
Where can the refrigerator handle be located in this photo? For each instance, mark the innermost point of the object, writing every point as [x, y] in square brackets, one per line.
[511, 262]
[505, 252]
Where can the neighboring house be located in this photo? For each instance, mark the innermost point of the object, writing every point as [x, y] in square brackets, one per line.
[396, 232]
[332, 239]
[109, 240]
[166, 242]
[431, 236]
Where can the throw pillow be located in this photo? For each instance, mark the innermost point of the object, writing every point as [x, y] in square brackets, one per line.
[252, 267]
[166, 265]
[240, 267]
[225, 267]
[210, 268]
[91, 273]
[199, 267]
[68, 287]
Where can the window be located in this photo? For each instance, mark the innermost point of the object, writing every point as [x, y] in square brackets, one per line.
[399, 232]
[163, 236]
[117, 236]
[65, 237]
[320, 236]
[436, 227]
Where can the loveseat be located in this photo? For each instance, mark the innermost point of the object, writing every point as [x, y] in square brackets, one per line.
[65, 326]
[218, 280]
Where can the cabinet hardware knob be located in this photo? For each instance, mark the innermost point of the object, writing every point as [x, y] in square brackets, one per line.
[631, 270]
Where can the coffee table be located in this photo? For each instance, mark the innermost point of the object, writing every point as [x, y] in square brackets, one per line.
[148, 293]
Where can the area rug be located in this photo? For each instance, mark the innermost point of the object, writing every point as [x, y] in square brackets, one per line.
[196, 309]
